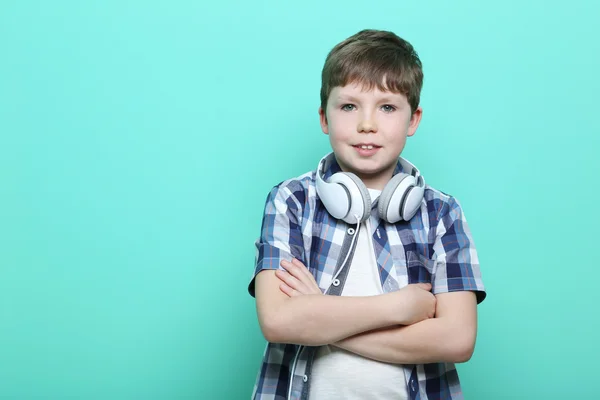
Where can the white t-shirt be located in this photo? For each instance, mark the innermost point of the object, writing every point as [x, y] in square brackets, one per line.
[339, 374]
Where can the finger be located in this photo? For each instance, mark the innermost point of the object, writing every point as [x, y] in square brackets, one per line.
[303, 269]
[288, 290]
[294, 269]
[307, 278]
[307, 284]
[299, 264]
[290, 280]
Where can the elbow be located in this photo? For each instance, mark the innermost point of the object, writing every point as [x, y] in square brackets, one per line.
[279, 329]
[462, 351]
[461, 343]
[463, 354]
[272, 329]
[269, 334]
[274, 336]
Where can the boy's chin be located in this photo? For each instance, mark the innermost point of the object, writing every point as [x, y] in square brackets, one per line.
[367, 172]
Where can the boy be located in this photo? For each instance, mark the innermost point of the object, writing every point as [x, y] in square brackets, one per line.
[366, 279]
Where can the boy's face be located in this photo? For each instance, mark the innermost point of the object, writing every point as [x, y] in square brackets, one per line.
[367, 130]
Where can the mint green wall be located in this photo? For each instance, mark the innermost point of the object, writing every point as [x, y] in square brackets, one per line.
[138, 141]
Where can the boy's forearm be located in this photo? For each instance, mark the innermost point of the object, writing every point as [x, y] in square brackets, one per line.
[428, 341]
[450, 337]
[321, 319]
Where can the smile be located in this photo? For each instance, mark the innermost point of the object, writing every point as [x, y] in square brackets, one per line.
[366, 150]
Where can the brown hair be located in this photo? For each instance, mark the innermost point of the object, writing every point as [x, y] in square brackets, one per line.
[374, 58]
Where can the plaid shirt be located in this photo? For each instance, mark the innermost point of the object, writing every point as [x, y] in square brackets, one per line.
[435, 246]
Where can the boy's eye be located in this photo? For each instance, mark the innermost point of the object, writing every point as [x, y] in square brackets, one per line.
[348, 107]
[388, 108]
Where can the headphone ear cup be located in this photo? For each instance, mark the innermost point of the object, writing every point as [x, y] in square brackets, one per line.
[390, 200]
[412, 202]
[335, 197]
[364, 195]
[401, 198]
[360, 201]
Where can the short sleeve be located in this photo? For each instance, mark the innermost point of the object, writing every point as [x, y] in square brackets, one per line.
[457, 263]
[281, 232]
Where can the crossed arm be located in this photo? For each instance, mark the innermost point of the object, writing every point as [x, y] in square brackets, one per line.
[409, 326]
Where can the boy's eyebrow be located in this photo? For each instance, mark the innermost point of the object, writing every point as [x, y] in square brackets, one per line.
[386, 99]
[345, 97]
[391, 100]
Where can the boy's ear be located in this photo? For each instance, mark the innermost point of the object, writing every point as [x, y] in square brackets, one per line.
[415, 119]
[323, 120]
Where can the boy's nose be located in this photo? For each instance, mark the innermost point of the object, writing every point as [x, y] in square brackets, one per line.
[367, 125]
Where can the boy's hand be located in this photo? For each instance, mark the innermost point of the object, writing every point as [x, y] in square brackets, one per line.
[417, 303]
[411, 304]
[296, 280]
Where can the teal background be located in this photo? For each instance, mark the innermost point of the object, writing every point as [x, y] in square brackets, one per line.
[138, 142]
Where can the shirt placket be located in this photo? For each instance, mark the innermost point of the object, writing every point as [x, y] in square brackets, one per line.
[302, 365]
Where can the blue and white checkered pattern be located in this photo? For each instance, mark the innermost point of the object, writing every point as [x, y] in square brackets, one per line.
[434, 246]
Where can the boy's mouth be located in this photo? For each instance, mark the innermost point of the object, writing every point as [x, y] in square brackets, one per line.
[368, 146]
[366, 149]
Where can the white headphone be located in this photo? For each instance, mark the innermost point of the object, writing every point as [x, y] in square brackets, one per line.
[347, 198]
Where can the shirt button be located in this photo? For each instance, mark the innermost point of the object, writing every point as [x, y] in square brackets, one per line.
[351, 231]
[305, 378]
[336, 282]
